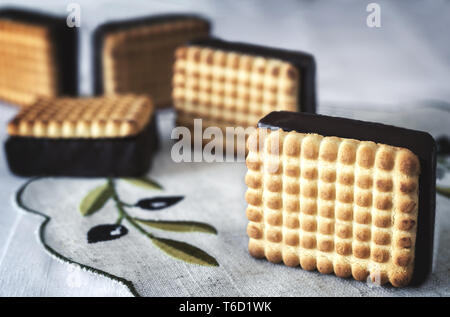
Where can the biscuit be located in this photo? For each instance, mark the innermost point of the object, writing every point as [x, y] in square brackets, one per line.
[136, 56]
[104, 117]
[234, 84]
[356, 228]
[38, 57]
[107, 136]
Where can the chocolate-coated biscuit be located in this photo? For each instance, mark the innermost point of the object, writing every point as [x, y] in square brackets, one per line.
[382, 228]
[234, 84]
[107, 136]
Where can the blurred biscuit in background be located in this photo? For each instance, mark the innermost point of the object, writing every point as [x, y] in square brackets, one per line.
[234, 84]
[38, 56]
[136, 56]
[97, 137]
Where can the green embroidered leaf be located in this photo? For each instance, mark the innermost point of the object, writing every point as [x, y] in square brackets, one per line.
[445, 191]
[178, 226]
[185, 252]
[95, 199]
[144, 182]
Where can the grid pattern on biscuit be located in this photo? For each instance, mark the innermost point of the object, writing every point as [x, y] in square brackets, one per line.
[104, 117]
[333, 204]
[140, 60]
[27, 63]
[229, 88]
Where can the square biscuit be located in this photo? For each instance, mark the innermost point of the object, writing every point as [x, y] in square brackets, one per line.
[111, 136]
[233, 84]
[136, 56]
[101, 117]
[37, 57]
[336, 205]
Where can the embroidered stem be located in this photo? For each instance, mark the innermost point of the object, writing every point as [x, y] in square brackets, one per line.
[126, 204]
[122, 212]
[41, 234]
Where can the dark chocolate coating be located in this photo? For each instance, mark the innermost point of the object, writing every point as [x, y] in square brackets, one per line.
[109, 27]
[64, 39]
[304, 62]
[102, 157]
[420, 143]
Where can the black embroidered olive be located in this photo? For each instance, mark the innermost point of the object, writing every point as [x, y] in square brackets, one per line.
[158, 203]
[106, 232]
[443, 144]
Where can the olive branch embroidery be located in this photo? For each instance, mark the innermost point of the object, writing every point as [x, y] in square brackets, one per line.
[97, 198]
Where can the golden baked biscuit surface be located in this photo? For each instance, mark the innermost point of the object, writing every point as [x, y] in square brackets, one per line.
[102, 117]
[224, 87]
[139, 60]
[342, 205]
[27, 62]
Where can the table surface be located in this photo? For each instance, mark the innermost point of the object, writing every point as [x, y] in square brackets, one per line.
[396, 74]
